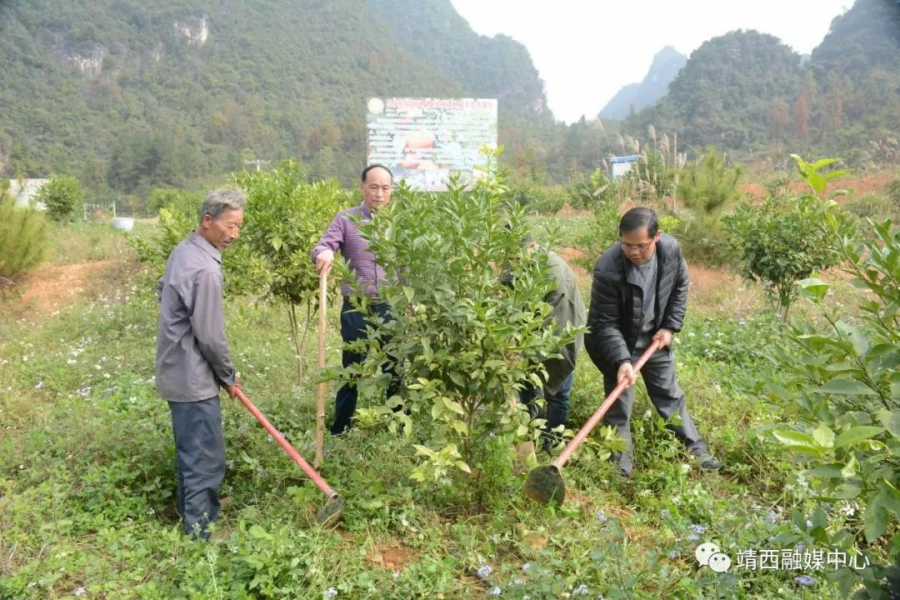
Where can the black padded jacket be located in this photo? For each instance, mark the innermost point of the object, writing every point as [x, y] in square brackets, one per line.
[614, 319]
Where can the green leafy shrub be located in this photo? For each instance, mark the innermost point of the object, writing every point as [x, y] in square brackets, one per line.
[63, 197]
[777, 184]
[244, 272]
[843, 388]
[187, 203]
[284, 219]
[461, 340]
[23, 238]
[782, 241]
[538, 198]
[604, 232]
[174, 226]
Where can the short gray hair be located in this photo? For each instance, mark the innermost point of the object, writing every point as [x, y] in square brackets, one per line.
[219, 201]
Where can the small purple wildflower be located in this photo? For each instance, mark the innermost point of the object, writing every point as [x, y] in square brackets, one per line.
[484, 571]
[804, 580]
[601, 516]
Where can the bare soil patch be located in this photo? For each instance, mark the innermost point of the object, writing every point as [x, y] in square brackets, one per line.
[393, 557]
[52, 286]
[568, 211]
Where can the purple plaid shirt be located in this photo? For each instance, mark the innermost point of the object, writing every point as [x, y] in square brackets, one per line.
[342, 235]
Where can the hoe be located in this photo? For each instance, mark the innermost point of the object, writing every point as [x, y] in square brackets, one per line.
[334, 504]
[545, 484]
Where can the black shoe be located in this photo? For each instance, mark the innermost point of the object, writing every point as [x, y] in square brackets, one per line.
[711, 464]
[708, 462]
[624, 465]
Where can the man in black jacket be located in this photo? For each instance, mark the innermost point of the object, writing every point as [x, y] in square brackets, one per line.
[639, 295]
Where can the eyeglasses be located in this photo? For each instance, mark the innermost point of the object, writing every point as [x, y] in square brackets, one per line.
[639, 247]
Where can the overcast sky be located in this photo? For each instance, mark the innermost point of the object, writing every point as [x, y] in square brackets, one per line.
[586, 50]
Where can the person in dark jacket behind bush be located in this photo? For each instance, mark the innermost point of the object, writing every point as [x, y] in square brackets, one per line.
[639, 294]
[568, 310]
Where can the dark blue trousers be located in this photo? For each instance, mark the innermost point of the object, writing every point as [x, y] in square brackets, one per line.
[353, 327]
[557, 405]
[200, 447]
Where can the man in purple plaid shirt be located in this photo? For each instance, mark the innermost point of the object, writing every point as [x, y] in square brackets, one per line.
[342, 234]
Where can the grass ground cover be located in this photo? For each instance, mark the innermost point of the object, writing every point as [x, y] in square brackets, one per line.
[87, 476]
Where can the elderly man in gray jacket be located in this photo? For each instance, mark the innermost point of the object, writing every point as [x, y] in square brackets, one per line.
[192, 356]
[639, 294]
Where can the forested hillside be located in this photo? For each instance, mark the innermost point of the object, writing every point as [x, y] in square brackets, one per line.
[749, 93]
[131, 95]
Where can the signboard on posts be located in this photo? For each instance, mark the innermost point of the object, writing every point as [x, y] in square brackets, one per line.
[426, 141]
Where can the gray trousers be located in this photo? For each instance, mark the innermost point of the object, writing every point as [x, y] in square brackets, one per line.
[201, 462]
[666, 396]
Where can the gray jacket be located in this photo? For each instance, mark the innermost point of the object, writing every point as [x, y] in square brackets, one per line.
[192, 357]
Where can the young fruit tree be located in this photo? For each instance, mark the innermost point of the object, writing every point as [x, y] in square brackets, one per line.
[460, 341]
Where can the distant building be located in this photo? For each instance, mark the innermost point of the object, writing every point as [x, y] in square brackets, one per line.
[619, 165]
[24, 191]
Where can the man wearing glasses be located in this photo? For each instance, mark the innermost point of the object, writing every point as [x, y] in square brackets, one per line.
[639, 294]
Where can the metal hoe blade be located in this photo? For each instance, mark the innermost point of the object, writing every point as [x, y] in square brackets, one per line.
[545, 485]
[331, 513]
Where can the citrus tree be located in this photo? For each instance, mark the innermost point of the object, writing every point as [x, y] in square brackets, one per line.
[783, 240]
[843, 390]
[285, 217]
[461, 341]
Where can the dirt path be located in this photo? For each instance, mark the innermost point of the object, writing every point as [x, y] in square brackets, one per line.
[857, 186]
[51, 286]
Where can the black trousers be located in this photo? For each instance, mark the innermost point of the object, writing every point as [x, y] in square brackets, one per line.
[353, 327]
